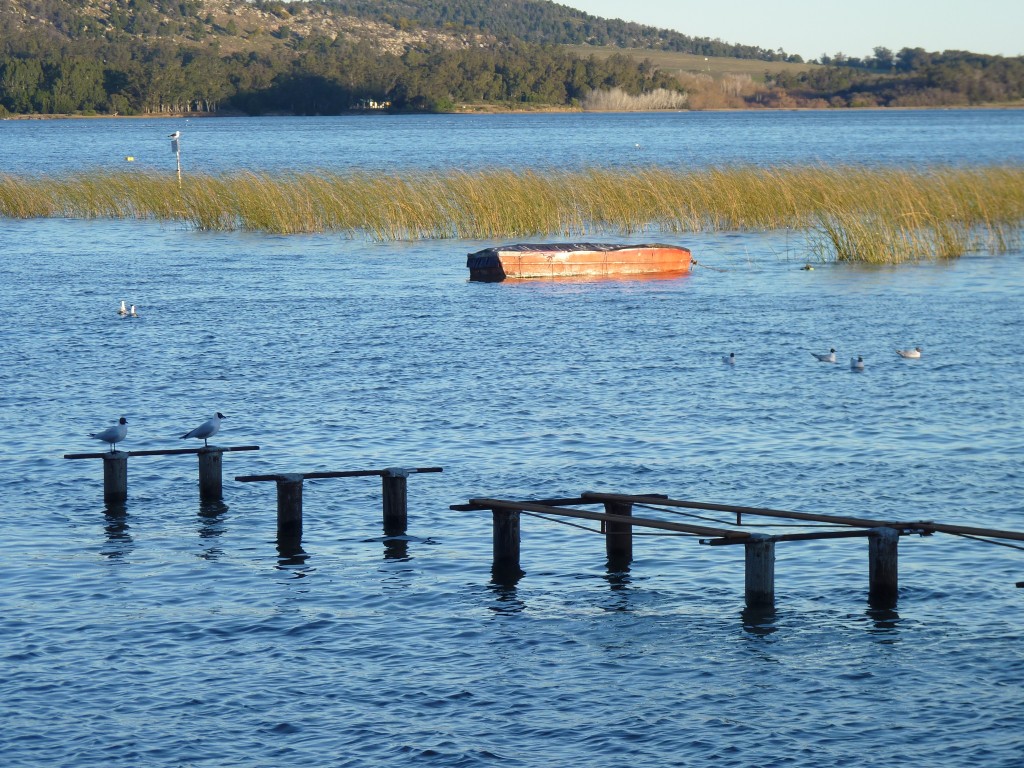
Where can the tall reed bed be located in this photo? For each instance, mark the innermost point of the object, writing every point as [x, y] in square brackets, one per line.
[849, 213]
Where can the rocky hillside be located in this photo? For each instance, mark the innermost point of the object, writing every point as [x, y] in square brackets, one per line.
[229, 26]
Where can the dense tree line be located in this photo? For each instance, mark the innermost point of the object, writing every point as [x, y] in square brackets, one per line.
[912, 77]
[324, 77]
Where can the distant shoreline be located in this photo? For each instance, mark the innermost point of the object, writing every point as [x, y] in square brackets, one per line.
[488, 109]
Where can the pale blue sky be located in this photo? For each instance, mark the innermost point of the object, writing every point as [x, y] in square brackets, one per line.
[813, 27]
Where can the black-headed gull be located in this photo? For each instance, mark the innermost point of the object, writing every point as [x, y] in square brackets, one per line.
[123, 310]
[826, 357]
[857, 364]
[207, 429]
[912, 354]
[729, 359]
[114, 434]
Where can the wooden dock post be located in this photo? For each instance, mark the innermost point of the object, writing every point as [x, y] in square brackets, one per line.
[289, 499]
[760, 570]
[211, 486]
[289, 512]
[506, 545]
[396, 516]
[115, 478]
[883, 566]
[618, 537]
[115, 469]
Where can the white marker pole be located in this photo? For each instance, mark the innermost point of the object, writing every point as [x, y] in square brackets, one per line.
[176, 149]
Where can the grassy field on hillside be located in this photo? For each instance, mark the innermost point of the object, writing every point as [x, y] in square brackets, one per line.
[715, 66]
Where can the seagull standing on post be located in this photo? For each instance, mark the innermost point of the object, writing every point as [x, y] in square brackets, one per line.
[174, 136]
[114, 434]
[207, 429]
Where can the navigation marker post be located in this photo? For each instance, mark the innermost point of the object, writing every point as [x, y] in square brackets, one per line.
[176, 149]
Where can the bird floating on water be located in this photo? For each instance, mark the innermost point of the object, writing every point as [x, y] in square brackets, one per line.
[826, 357]
[729, 359]
[207, 429]
[123, 310]
[133, 313]
[912, 354]
[114, 434]
[857, 364]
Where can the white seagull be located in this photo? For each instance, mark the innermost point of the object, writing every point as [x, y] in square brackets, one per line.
[207, 429]
[912, 354]
[123, 310]
[729, 359]
[826, 357]
[858, 364]
[114, 434]
[175, 135]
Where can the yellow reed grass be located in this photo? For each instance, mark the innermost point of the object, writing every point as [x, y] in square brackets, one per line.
[851, 213]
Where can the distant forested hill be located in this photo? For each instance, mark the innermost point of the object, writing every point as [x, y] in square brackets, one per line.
[538, 21]
[912, 77]
[330, 56]
[172, 56]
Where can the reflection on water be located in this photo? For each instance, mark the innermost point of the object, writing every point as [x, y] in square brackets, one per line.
[211, 527]
[119, 542]
[759, 621]
[617, 575]
[619, 581]
[884, 622]
[290, 552]
[396, 548]
[506, 599]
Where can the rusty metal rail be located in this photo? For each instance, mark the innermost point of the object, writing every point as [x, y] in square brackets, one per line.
[617, 523]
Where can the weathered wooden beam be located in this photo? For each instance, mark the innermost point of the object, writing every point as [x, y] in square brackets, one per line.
[640, 522]
[618, 537]
[556, 502]
[115, 477]
[115, 469]
[394, 493]
[967, 530]
[395, 501]
[883, 566]
[810, 536]
[506, 543]
[859, 522]
[164, 451]
[211, 484]
[289, 512]
[759, 572]
[328, 475]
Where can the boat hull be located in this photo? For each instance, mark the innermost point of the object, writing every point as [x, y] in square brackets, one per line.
[576, 260]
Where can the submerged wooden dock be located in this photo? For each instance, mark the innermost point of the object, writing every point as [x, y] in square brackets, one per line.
[730, 524]
[618, 521]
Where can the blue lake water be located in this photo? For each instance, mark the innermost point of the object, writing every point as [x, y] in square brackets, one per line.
[174, 634]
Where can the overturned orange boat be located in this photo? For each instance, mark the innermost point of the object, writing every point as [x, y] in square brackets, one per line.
[554, 260]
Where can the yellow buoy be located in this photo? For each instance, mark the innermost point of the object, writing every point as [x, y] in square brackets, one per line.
[129, 158]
